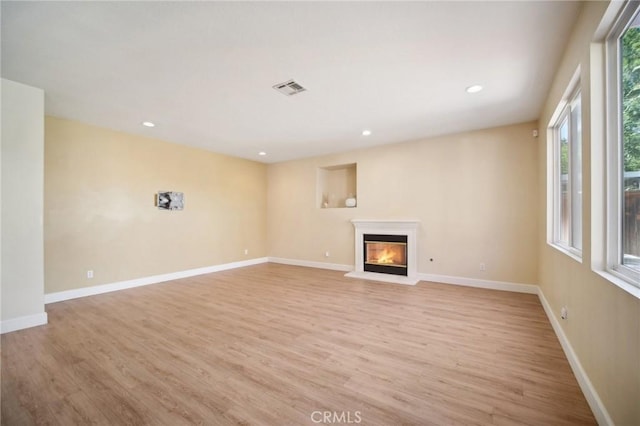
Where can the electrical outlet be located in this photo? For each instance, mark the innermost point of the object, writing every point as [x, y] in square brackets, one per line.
[483, 267]
[564, 313]
[89, 274]
[246, 251]
[326, 254]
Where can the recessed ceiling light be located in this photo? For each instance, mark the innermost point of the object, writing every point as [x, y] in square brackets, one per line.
[366, 132]
[262, 153]
[474, 89]
[148, 124]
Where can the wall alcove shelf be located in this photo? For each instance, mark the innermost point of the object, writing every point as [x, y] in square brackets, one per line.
[335, 184]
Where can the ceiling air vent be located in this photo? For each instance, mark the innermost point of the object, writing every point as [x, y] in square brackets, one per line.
[289, 88]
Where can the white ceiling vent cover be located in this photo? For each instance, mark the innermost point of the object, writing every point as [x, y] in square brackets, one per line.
[289, 88]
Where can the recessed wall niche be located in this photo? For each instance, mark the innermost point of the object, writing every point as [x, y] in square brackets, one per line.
[337, 184]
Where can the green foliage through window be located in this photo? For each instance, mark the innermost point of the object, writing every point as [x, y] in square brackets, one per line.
[630, 49]
[630, 215]
[564, 148]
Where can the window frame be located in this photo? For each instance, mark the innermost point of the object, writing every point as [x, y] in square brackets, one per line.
[571, 100]
[614, 180]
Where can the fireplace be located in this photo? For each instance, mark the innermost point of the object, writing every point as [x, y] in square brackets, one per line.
[386, 250]
[385, 254]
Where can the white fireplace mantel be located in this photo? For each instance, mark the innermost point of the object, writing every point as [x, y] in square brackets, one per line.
[387, 227]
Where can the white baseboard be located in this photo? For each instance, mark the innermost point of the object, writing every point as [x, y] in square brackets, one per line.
[155, 279]
[593, 399]
[20, 323]
[444, 279]
[311, 264]
[474, 282]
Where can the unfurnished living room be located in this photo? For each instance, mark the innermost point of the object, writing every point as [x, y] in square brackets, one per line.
[311, 213]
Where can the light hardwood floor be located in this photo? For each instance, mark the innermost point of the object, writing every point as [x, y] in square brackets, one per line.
[272, 344]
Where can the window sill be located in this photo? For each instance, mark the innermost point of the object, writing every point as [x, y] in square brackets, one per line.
[571, 252]
[622, 283]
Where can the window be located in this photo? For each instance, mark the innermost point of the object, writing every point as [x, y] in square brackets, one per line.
[565, 165]
[623, 147]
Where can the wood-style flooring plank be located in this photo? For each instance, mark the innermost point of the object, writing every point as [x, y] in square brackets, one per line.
[274, 344]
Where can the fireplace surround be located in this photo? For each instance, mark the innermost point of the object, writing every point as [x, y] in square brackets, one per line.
[386, 250]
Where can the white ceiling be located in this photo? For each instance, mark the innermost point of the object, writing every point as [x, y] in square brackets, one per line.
[204, 71]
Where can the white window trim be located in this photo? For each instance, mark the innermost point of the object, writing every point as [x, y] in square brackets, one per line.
[553, 165]
[610, 266]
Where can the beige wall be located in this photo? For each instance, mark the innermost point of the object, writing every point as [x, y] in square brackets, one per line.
[100, 214]
[604, 321]
[22, 193]
[474, 194]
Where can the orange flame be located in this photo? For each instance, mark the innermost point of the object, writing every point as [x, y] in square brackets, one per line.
[385, 257]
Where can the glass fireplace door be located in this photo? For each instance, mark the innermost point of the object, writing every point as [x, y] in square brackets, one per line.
[386, 254]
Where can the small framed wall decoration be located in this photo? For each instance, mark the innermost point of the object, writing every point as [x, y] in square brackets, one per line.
[169, 200]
